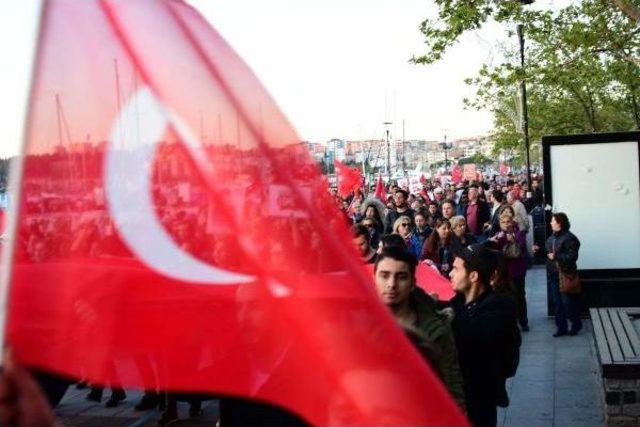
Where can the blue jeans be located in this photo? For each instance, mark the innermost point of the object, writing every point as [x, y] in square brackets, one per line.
[566, 306]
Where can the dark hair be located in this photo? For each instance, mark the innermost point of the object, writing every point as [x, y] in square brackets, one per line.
[399, 254]
[403, 192]
[396, 240]
[500, 277]
[498, 195]
[484, 264]
[509, 208]
[358, 230]
[376, 214]
[562, 219]
[421, 213]
[451, 202]
[473, 185]
[432, 244]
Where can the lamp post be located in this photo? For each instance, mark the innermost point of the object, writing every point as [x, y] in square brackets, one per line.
[523, 96]
[446, 146]
[388, 137]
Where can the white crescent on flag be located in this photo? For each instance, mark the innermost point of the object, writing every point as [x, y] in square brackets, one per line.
[127, 176]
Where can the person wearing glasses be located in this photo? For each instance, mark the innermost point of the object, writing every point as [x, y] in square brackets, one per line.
[402, 226]
[374, 233]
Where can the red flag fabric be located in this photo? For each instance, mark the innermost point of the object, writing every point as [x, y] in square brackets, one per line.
[456, 174]
[423, 179]
[141, 259]
[380, 191]
[3, 221]
[503, 169]
[349, 178]
[432, 281]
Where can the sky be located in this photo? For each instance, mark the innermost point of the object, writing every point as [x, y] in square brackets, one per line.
[337, 68]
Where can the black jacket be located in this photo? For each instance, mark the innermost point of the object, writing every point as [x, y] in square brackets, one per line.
[392, 216]
[565, 246]
[487, 337]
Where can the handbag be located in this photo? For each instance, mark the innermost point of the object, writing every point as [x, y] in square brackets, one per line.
[512, 251]
[570, 283]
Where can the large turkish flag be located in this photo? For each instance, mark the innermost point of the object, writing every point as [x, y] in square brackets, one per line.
[174, 233]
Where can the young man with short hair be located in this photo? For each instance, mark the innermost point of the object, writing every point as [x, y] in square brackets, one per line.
[400, 198]
[395, 281]
[448, 209]
[486, 333]
[361, 240]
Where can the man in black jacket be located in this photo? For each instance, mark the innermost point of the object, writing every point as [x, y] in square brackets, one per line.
[486, 332]
[400, 198]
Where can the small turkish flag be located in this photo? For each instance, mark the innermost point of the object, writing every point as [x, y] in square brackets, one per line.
[141, 259]
[349, 179]
[380, 192]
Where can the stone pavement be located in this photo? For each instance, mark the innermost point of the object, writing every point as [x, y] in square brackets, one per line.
[557, 383]
[76, 411]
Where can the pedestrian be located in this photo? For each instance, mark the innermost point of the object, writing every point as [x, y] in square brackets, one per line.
[476, 212]
[401, 208]
[521, 216]
[360, 238]
[436, 251]
[395, 282]
[562, 249]
[486, 333]
[459, 234]
[511, 242]
[448, 209]
[423, 230]
[402, 226]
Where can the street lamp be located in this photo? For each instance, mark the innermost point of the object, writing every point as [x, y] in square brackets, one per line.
[523, 96]
[446, 146]
[388, 137]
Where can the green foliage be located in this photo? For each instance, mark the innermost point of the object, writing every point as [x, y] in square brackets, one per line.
[477, 159]
[581, 67]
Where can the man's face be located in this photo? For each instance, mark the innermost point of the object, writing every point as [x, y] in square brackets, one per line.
[399, 198]
[534, 184]
[421, 222]
[362, 244]
[473, 194]
[433, 209]
[459, 277]
[393, 281]
[447, 210]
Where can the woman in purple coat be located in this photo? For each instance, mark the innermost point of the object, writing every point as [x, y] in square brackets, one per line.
[512, 243]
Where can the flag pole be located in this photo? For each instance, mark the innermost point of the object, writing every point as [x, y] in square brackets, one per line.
[15, 178]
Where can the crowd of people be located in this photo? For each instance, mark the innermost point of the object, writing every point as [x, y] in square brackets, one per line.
[476, 235]
[473, 233]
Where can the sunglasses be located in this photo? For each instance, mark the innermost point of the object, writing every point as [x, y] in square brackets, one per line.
[369, 225]
[404, 225]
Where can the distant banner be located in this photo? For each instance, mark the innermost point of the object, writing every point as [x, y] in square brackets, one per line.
[282, 203]
[469, 172]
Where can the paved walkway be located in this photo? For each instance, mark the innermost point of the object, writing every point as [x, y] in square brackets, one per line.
[556, 385]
